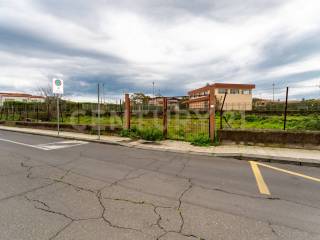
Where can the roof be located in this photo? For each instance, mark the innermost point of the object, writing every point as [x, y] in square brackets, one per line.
[223, 85]
[197, 100]
[15, 95]
[18, 95]
[169, 98]
[37, 97]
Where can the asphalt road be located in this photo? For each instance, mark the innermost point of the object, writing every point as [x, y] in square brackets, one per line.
[52, 188]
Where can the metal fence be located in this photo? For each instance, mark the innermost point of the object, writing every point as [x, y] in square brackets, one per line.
[180, 119]
[73, 113]
[177, 120]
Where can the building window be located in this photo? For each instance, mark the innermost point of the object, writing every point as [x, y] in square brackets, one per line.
[234, 91]
[246, 91]
[222, 90]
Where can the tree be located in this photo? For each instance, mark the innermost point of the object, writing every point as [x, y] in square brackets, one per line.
[140, 98]
[45, 91]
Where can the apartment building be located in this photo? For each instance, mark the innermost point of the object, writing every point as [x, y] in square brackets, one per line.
[238, 98]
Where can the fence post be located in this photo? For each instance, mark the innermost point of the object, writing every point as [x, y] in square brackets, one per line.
[78, 113]
[221, 110]
[165, 117]
[127, 111]
[48, 111]
[27, 110]
[13, 113]
[212, 113]
[37, 112]
[285, 110]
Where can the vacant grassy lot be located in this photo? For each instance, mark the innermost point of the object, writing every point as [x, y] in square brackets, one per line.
[185, 127]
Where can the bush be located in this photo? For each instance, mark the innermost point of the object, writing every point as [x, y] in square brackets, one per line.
[237, 116]
[125, 133]
[251, 118]
[151, 134]
[131, 133]
[181, 133]
[200, 140]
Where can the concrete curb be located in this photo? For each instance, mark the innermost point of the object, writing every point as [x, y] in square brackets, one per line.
[238, 156]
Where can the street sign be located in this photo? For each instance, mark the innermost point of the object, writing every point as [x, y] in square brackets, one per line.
[57, 86]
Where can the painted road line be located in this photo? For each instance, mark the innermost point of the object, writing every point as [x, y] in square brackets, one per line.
[289, 172]
[61, 145]
[22, 144]
[263, 188]
[48, 146]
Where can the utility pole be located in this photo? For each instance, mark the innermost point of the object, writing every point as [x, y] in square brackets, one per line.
[212, 116]
[103, 93]
[153, 89]
[273, 91]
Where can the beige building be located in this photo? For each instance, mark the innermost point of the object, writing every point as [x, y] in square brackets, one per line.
[173, 102]
[19, 97]
[238, 98]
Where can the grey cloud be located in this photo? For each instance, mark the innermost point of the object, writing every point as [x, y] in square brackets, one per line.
[93, 66]
[281, 51]
[288, 80]
[80, 11]
[160, 10]
[26, 43]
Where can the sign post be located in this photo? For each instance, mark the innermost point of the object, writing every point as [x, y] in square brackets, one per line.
[99, 129]
[58, 115]
[57, 88]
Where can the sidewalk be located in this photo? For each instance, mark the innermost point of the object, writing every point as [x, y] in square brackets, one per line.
[269, 154]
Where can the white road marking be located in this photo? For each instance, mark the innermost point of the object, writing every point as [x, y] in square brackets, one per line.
[60, 145]
[49, 146]
[22, 144]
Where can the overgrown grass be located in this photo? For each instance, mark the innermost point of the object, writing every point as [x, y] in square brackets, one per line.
[194, 128]
[149, 134]
[200, 140]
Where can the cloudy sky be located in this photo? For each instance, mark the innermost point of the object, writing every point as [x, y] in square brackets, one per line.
[178, 44]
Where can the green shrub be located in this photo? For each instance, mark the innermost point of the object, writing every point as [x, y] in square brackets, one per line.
[125, 133]
[251, 118]
[200, 140]
[151, 134]
[237, 116]
[181, 133]
[131, 133]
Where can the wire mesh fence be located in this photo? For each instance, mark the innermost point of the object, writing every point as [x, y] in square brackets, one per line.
[278, 111]
[182, 123]
[72, 113]
[182, 118]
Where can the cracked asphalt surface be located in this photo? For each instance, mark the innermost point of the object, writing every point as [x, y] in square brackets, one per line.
[97, 191]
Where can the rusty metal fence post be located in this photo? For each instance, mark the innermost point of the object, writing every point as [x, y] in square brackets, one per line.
[212, 115]
[165, 117]
[221, 110]
[285, 110]
[127, 111]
